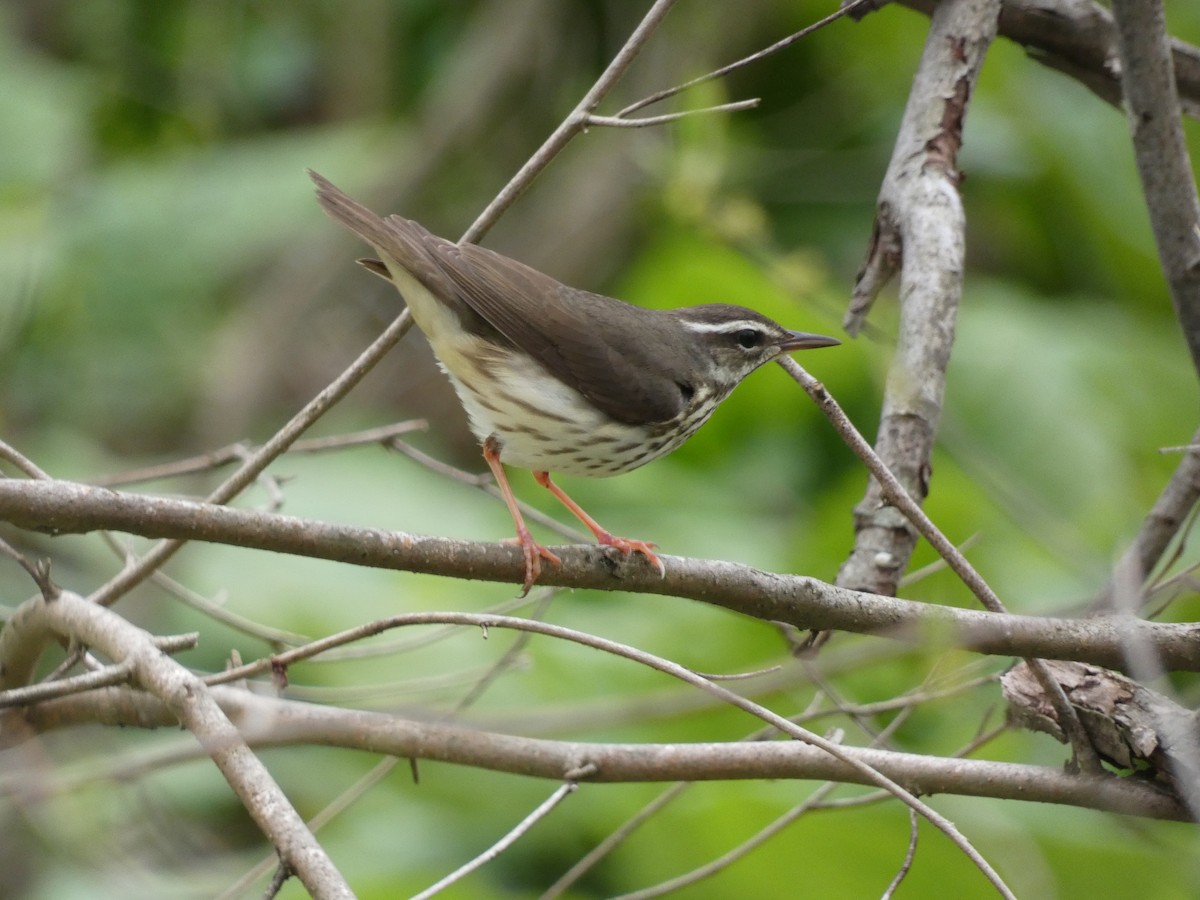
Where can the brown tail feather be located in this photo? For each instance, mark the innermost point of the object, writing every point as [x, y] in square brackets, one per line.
[368, 226]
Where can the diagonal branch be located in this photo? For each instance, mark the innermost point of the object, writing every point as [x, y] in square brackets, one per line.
[245, 474]
[1170, 510]
[187, 698]
[1152, 103]
[572, 125]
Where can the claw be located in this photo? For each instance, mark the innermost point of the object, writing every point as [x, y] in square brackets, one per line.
[534, 553]
[627, 546]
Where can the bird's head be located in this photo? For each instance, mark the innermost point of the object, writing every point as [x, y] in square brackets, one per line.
[732, 341]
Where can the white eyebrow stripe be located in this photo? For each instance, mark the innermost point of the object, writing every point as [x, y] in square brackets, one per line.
[725, 327]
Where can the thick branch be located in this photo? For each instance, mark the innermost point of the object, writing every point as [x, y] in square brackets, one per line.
[1079, 39]
[59, 507]
[272, 722]
[919, 228]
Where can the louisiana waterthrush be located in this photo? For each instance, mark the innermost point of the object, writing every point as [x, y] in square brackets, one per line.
[558, 379]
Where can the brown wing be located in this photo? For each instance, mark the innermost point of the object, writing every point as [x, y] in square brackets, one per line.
[602, 347]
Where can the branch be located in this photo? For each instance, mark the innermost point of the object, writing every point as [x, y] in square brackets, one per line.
[270, 722]
[583, 768]
[515, 834]
[246, 473]
[1078, 38]
[572, 125]
[891, 488]
[66, 507]
[1148, 82]
[849, 9]
[216, 459]
[666, 118]
[1164, 520]
[188, 701]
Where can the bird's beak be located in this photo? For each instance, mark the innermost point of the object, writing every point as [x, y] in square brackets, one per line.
[802, 340]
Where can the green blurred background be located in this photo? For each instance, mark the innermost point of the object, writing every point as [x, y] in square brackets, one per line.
[168, 285]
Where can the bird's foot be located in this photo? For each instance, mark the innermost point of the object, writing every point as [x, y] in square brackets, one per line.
[606, 538]
[627, 546]
[534, 554]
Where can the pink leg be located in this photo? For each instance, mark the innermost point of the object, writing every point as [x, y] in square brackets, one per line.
[625, 545]
[534, 552]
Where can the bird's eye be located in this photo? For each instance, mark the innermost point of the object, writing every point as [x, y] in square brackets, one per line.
[748, 338]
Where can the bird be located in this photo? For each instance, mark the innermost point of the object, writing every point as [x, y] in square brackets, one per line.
[558, 379]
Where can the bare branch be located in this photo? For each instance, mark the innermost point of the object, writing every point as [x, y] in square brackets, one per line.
[572, 125]
[892, 489]
[340, 804]
[59, 506]
[267, 721]
[215, 459]
[543, 810]
[1152, 103]
[187, 698]
[848, 9]
[1078, 38]
[1161, 524]
[274, 637]
[919, 230]
[644, 121]
[22, 462]
[909, 855]
[48, 690]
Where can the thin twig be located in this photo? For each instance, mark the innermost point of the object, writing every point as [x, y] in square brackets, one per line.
[740, 676]
[812, 802]
[20, 460]
[38, 572]
[614, 839]
[745, 61]
[1161, 151]
[274, 637]
[48, 690]
[666, 118]
[572, 125]
[507, 660]
[543, 810]
[892, 488]
[336, 647]
[232, 453]
[912, 577]
[1173, 509]
[909, 856]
